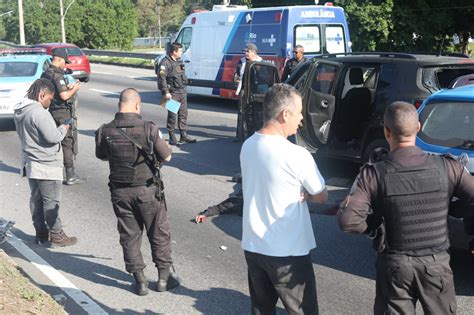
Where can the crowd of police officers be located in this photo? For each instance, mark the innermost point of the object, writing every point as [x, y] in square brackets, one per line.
[401, 202]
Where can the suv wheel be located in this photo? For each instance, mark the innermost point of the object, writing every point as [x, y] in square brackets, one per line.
[375, 151]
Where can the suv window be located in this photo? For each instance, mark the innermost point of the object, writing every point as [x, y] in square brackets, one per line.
[436, 78]
[184, 37]
[299, 76]
[324, 78]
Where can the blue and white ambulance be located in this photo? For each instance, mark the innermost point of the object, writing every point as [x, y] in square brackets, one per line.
[213, 40]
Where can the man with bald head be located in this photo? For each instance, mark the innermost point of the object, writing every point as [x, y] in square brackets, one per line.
[402, 204]
[133, 147]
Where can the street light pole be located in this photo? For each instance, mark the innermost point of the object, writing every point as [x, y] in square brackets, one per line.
[63, 15]
[20, 21]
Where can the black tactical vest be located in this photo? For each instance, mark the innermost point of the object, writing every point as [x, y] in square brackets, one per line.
[52, 74]
[414, 204]
[128, 166]
[176, 78]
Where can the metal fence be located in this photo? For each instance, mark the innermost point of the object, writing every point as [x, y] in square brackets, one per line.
[151, 41]
[113, 53]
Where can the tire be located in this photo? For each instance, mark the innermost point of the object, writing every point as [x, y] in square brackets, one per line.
[375, 151]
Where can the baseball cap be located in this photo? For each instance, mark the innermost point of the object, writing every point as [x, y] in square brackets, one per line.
[251, 46]
[60, 52]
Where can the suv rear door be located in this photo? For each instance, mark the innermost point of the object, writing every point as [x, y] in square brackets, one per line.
[258, 78]
[319, 102]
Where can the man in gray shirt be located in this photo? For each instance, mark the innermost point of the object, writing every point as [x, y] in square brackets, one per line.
[42, 161]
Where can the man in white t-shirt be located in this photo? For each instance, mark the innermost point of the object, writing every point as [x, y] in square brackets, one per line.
[278, 178]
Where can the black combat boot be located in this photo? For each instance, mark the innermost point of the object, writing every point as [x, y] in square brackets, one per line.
[60, 239]
[141, 283]
[72, 178]
[42, 237]
[185, 138]
[172, 140]
[166, 280]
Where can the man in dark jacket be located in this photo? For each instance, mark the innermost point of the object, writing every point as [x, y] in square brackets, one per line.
[172, 83]
[290, 65]
[402, 203]
[133, 147]
[62, 109]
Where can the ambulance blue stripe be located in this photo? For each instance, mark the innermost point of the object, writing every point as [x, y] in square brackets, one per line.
[232, 32]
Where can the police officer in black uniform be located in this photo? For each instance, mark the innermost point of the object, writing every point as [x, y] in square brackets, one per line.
[172, 84]
[402, 203]
[298, 58]
[133, 146]
[62, 109]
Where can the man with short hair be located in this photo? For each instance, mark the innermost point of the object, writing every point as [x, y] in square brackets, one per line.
[62, 108]
[290, 65]
[402, 203]
[132, 147]
[42, 161]
[278, 178]
[251, 55]
[172, 83]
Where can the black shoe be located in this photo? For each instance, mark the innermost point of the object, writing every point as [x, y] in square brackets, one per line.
[166, 280]
[42, 238]
[172, 139]
[186, 139]
[141, 283]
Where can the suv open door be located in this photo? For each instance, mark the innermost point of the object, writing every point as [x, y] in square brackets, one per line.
[258, 78]
[318, 105]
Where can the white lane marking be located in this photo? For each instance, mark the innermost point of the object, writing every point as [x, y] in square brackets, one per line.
[105, 92]
[56, 277]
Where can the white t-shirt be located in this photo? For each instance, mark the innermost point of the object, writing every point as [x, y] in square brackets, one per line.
[274, 173]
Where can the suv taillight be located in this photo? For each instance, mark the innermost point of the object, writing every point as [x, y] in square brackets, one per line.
[418, 103]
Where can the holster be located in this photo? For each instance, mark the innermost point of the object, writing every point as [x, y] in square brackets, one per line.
[160, 189]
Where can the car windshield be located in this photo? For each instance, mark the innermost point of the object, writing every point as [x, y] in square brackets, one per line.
[72, 51]
[17, 69]
[449, 124]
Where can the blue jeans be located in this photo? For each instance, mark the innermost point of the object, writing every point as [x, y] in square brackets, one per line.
[44, 205]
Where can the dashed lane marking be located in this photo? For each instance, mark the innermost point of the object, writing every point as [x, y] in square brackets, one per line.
[56, 277]
[105, 92]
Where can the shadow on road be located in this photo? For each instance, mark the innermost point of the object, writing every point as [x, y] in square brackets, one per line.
[8, 169]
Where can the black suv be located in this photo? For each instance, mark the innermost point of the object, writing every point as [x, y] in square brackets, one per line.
[345, 96]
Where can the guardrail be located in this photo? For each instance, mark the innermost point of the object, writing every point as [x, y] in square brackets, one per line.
[111, 53]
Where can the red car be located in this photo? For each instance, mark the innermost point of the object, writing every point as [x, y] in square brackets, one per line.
[79, 65]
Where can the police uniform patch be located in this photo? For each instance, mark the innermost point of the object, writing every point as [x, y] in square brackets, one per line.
[162, 67]
[62, 82]
[162, 72]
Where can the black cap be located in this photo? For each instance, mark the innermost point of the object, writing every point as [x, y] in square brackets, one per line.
[60, 52]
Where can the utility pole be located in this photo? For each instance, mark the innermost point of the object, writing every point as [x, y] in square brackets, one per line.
[159, 25]
[20, 20]
[63, 15]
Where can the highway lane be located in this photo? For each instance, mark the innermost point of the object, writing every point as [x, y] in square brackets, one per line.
[214, 281]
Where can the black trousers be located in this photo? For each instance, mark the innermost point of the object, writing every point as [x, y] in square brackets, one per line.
[136, 209]
[403, 280]
[60, 115]
[182, 113]
[289, 278]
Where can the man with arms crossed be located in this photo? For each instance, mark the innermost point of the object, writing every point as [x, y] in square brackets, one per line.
[278, 178]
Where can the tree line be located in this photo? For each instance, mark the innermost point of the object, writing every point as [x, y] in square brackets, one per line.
[377, 25]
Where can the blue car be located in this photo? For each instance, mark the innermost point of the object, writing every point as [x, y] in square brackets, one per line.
[17, 73]
[447, 123]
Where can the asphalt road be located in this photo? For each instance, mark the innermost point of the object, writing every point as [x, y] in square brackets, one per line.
[214, 281]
